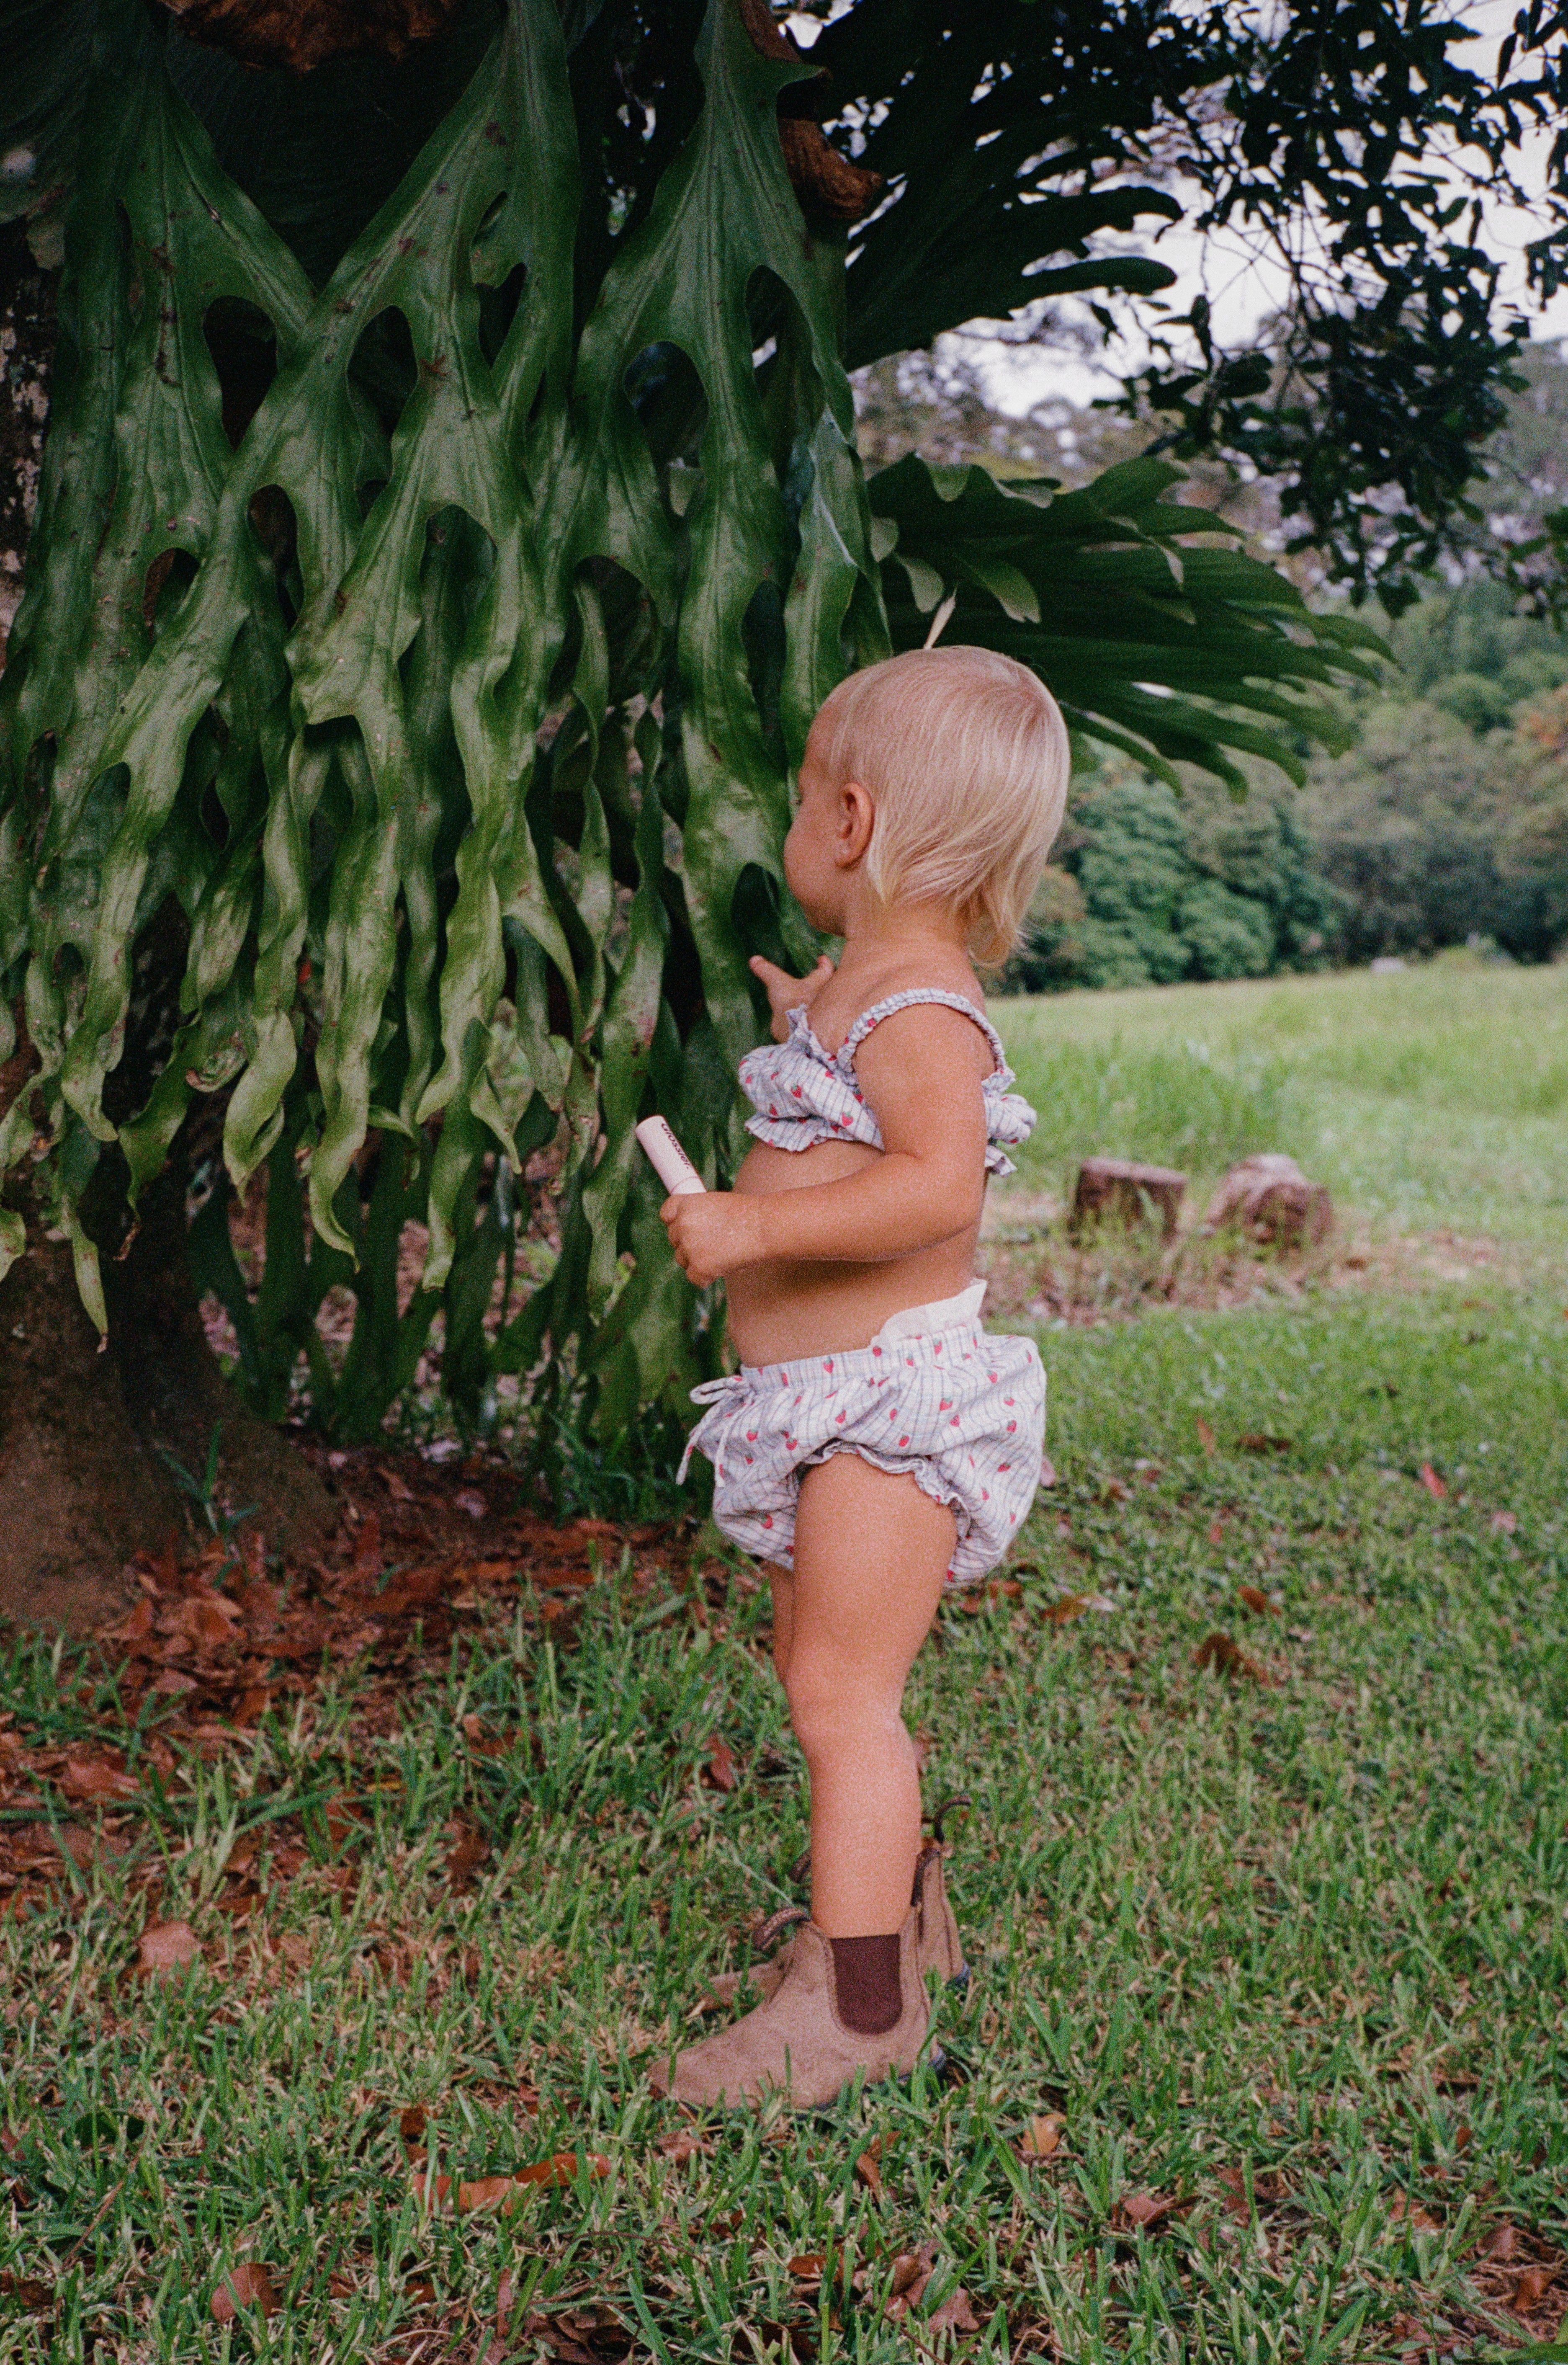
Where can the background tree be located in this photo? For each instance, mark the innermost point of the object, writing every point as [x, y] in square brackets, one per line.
[450, 519]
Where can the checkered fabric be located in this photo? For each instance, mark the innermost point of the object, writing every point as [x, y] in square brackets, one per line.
[803, 1095]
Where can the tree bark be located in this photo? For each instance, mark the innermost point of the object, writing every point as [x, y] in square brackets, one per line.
[88, 1434]
[1270, 1198]
[1131, 1194]
[283, 33]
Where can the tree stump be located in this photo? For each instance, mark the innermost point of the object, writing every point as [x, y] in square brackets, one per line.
[1120, 1187]
[1269, 1198]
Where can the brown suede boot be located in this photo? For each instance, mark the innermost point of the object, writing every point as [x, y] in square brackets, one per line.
[795, 2044]
[940, 1949]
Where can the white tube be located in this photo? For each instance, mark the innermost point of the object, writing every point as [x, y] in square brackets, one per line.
[669, 1162]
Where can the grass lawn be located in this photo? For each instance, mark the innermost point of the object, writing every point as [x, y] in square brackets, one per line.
[1264, 1885]
[1438, 1097]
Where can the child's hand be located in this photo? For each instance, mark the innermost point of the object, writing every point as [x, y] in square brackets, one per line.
[712, 1233]
[786, 992]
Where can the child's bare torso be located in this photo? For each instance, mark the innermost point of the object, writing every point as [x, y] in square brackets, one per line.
[779, 1311]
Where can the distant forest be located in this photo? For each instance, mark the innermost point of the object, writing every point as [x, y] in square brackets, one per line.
[1446, 825]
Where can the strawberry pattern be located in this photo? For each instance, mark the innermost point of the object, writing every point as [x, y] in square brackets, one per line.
[960, 1411]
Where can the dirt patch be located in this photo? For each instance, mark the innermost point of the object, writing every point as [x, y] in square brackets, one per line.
[1038, 1272]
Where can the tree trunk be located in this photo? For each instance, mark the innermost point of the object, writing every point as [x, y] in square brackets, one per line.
[87, 1437]
[82, 1433]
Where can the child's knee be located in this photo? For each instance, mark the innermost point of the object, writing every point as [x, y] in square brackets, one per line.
[829, 1707]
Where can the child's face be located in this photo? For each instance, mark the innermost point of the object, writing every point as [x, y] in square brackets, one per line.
[831, 831]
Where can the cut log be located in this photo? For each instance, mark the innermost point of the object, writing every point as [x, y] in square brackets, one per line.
[1270, 1199]
[1132, 1194]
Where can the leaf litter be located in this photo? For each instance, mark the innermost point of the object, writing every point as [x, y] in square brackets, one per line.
[211, 1640]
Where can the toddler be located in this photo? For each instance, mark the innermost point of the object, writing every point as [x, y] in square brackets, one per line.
[876, 1445]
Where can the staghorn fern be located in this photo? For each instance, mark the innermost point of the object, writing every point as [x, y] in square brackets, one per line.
[453, 708]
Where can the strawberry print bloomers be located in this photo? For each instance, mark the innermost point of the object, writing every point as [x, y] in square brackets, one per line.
[963, 1413]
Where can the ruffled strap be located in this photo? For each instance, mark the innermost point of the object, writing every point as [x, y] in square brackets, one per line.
[880, 1009]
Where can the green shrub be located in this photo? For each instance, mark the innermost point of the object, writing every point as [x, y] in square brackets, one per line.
[1170, 888]
[1432, 834]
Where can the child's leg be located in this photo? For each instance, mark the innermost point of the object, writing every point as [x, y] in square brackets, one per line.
[783, 1586]
[871, 1552]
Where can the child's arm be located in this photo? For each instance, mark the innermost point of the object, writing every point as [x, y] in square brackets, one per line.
[920, 1071]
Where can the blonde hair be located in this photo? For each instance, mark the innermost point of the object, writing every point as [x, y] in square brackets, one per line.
[966, 757]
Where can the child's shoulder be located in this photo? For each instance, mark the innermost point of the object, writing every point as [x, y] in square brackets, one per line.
[927, 979]
[923, 995]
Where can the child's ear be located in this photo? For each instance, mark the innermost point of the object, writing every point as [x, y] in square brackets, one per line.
[856, 819]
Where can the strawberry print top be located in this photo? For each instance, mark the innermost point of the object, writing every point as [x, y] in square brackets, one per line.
[802, 1095]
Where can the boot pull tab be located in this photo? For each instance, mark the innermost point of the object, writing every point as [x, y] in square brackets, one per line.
[766, 1934]
[955, 1802]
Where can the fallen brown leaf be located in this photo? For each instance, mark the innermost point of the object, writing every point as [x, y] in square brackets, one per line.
[954, 2315]
[1433, 1484]
[807, 2268]
[469, 1851]
[1063, 1612]
[31, 2297]
[485, 2191]
[1253, 1597]
[869, 2167]
[1113, 1491]
[1259, 1441]
[722, 1769]
[247, 2285]
[679, 2146]
[912, 2270]
[167, 1947]
[1403, 2211]
[1226, 1657]
[98, 1773]
[1205, 1435]
[1042, 2137]
[343, 1823]
[562, 2168]
[1531, 2289]
[1144, 2209]
[367, 1552]
[1216, 1533]
[135, 1626]
[413, 2122]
